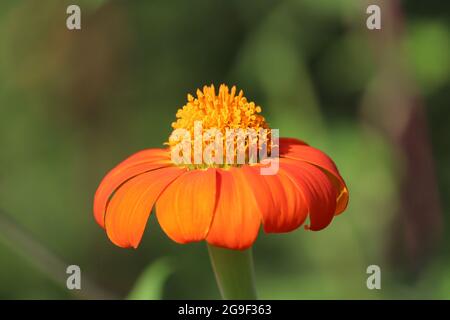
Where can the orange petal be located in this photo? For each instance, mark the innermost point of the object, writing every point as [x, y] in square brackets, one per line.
[237, 217]
[140, 162]
[281, 203]
[296, 149]
[286, 143]
[317, 189]
[185, 209]
[130, 206]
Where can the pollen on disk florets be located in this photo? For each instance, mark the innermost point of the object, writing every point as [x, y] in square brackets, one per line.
[224, 110]
[220, 112]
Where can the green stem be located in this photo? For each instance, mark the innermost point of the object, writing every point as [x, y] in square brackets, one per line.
[234, 273]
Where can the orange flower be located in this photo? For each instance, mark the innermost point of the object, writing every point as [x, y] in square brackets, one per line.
[222, 204]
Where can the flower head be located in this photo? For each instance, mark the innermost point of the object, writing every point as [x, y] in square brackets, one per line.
[224, 204]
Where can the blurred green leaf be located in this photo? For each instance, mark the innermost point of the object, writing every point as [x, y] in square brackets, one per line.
[150, 283]
[428, 50]
[337, 74]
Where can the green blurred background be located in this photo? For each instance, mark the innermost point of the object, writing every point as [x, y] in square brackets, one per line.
[75, 103]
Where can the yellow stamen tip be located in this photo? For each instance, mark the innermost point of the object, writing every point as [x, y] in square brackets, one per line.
[222, 110]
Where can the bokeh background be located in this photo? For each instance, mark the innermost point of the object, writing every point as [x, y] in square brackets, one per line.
[75, 103]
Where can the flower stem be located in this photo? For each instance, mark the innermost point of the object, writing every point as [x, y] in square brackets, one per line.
[234, 273]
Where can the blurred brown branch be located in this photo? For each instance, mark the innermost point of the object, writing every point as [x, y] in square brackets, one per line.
[395, 107]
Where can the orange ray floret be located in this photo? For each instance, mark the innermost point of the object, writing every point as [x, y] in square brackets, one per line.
[223, 205]
[180, 213]
[237, 217]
